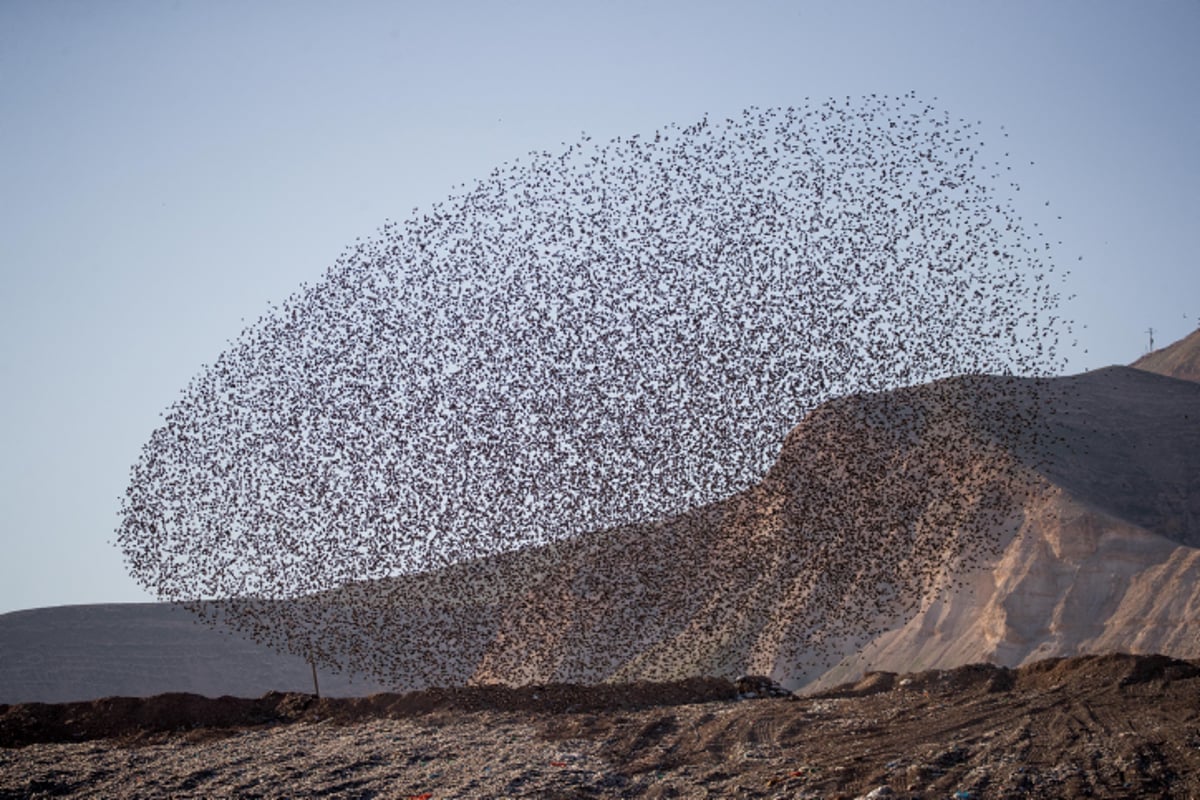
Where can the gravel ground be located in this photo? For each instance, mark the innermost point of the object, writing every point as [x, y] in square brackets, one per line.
[1111, 726]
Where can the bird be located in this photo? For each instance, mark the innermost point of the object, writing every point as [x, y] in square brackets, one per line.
[570, 421]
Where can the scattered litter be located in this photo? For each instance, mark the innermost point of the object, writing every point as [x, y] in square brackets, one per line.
[878, 793]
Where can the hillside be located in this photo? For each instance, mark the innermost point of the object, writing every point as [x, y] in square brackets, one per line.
[972, 519]
[1179, 360]
[69, 653]
[976, 519]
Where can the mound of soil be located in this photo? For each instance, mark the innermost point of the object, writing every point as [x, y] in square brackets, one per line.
[132, 717]
[1113, 726]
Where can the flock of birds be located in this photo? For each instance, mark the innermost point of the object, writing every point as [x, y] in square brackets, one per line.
[580, 341]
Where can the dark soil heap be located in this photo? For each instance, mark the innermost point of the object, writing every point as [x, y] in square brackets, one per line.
[1094, 726]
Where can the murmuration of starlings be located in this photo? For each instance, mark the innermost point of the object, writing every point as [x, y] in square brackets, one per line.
[382, 471]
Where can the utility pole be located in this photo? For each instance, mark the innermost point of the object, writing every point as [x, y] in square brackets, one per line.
[1151, 332]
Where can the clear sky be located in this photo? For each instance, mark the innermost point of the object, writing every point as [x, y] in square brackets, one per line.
[168, 169]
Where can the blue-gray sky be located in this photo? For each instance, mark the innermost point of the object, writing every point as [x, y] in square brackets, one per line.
[167, 169]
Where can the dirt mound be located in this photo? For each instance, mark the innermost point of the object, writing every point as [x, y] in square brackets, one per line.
[145, 717]
[963, 681]
[1092, 726]
[149, 718]
[1091, 672]
[125, 717]
[1115, 669]
[1112, 726]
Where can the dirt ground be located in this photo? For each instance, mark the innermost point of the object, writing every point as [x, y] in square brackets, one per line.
[1103, 726]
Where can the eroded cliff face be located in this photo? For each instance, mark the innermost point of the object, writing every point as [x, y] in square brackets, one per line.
[1071, 580]
[1098, 556]
[899, 532]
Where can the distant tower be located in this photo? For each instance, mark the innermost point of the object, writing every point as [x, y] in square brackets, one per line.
[1151, 332]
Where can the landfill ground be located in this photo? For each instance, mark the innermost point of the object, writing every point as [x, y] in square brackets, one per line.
[1099, 726]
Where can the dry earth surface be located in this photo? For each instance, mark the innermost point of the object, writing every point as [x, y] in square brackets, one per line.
[1092, 726]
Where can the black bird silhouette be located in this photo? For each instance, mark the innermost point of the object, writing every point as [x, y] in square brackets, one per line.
[394, 464]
